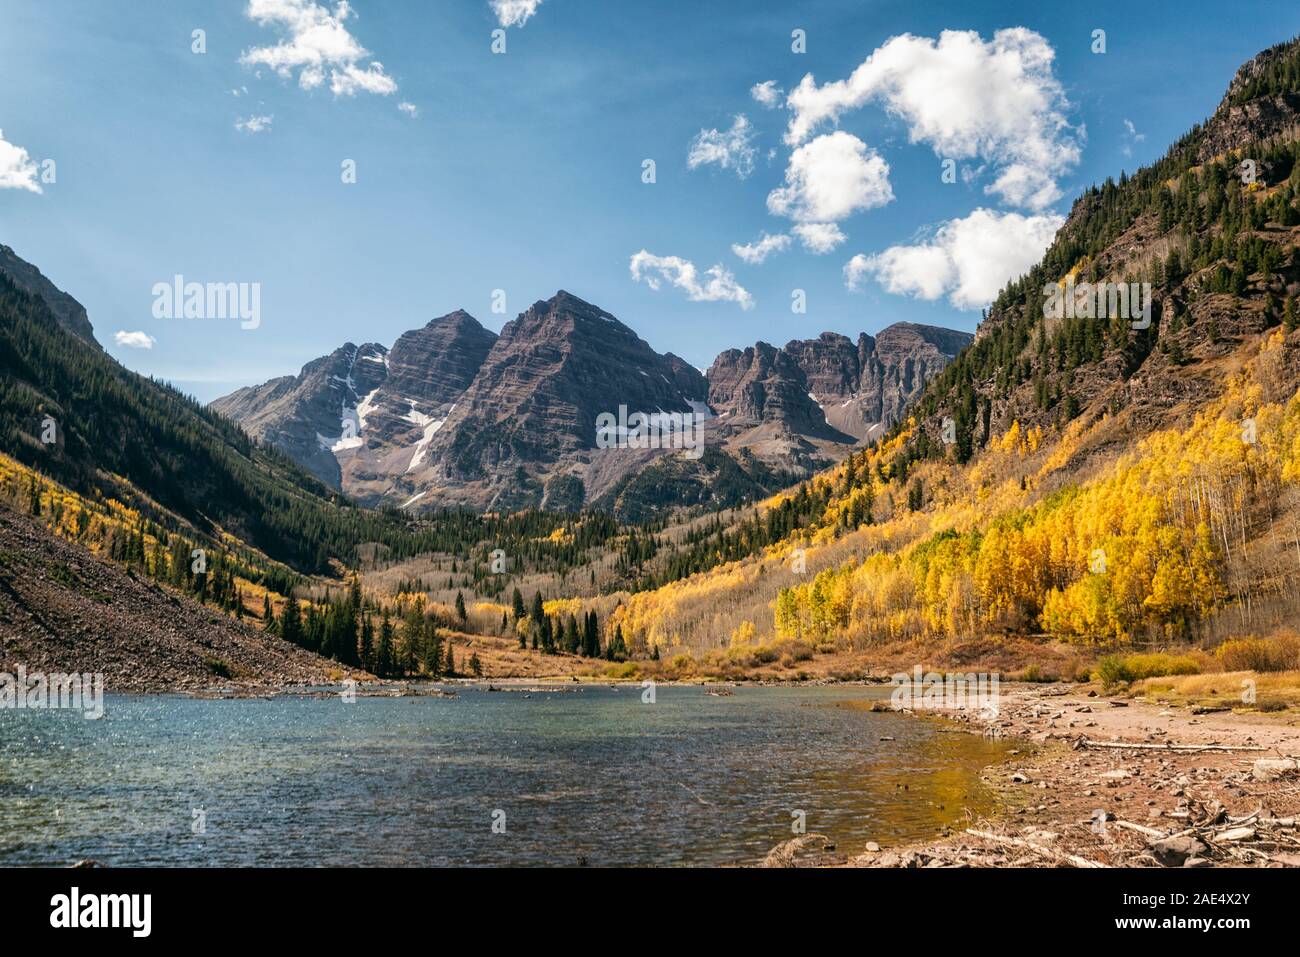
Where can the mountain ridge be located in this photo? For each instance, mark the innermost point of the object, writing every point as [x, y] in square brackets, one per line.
[515, 427]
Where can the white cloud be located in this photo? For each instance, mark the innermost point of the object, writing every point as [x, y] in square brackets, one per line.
[1131, 136]
[728, 149]
[819, 238]
[317, 43]
[718, 284]
[755, 253]
[767, 93]
[134, 340]
[966, 99]
[254, 124]
[17, 169]
[829, 179]
[514, 13]
[969, 260]
[410, 109]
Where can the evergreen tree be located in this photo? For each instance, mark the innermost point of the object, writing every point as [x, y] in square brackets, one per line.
[384, 655]
[367, 650]
[460, 607]
[290, 622]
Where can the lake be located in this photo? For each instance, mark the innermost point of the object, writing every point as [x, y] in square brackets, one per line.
[589, 775]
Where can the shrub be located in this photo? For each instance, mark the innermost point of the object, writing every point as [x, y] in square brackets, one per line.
[623, 671]
[1120, 669]
[1258, 654]
[218, 667]
[1111, 672]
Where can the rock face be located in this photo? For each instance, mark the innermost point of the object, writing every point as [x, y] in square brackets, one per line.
[427, 371]
[897, 366]
[312, 416]
[534, 404]
[1242, 116]
[69, 313]
[454, 415]
[764, 384]
[830, 387]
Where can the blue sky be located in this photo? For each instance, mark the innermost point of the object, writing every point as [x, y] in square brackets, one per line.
[523, 171]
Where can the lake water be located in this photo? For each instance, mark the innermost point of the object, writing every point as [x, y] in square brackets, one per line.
[591, 776]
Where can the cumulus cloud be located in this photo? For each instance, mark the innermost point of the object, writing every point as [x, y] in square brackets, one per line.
[767, 93]
[254, 124]
[17, 170]
[514, 13]
[755, 253]
[410, 109]
[318, 44]
[969, 260]
[134, 340]
[715, 285]
[829, 179]
[729, 149]
[965, 98]
[819, 238]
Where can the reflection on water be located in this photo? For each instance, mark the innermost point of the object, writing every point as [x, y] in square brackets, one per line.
[590, 775]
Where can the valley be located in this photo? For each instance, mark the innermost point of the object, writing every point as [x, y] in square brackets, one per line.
[1101, 507]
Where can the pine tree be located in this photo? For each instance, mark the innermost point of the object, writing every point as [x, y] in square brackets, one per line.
[367, 650]
[475, 666]
[384, 656]
[518, 605]
[432, 657]
[449, 668]
[460, 607]
[290, 622]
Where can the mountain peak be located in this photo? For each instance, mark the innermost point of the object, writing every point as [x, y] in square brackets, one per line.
[69, 313]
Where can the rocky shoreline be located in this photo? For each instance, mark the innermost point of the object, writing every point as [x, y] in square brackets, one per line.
[1118, 782]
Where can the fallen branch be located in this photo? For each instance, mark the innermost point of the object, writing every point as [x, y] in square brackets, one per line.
[783, 854]
[1140, 828]
[1134, 746]
[1037, 849]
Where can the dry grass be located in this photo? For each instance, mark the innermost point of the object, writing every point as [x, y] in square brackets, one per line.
[1225, 689]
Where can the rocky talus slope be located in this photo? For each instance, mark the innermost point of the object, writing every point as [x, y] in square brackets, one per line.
[62, 609]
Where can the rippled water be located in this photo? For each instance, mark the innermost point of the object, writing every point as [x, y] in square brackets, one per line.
[590, 775]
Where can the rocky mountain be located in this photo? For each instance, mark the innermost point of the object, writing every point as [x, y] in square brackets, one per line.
[455, 415]
[1205, 241]
[865, 388]
[314, 415]
[524, 431]
[69, 313]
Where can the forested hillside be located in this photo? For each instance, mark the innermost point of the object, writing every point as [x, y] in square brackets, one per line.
[1100, 481]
